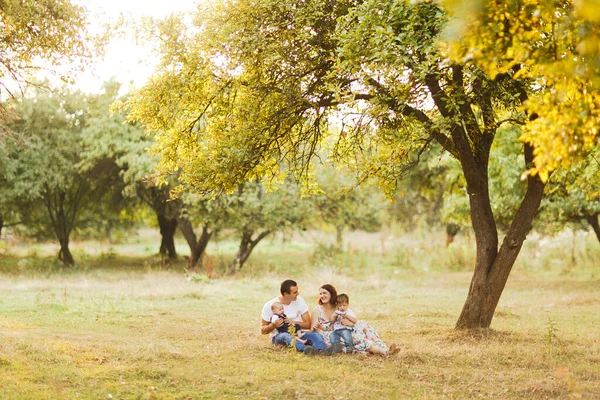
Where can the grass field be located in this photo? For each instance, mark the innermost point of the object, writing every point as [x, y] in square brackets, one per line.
[124, 326]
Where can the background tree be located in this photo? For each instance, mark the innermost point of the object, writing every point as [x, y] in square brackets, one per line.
[254, 214]
[344, 206]
[423, 196]
[107, 137]
[14, 196]
[574, 196]
[48, 157]
[123, 146]
[208, 214]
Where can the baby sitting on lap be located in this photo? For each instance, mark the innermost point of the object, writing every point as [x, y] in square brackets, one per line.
[277, 309]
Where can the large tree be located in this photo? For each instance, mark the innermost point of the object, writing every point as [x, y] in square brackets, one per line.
[254, 87]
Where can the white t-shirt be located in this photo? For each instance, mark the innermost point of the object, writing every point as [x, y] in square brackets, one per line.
[338, 324]
[293, 311]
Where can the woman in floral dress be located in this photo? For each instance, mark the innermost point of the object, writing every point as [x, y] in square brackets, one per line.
[365, 339]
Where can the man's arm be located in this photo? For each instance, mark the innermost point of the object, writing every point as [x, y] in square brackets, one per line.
[305, 324]
[267, 327]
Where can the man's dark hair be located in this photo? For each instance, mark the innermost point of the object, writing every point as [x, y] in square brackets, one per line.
[286, 286]
[343, 298]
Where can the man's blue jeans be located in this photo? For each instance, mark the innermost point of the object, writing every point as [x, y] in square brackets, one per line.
[345, 334]
[285, 339]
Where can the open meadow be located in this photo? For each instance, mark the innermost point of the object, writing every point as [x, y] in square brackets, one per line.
[122, 325]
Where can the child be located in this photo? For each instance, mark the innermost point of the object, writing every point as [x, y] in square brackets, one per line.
[278, 312]
[343, 319]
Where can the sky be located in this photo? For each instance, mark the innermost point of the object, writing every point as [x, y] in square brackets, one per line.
[130, 63]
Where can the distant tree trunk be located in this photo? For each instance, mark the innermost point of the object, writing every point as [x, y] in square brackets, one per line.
[339, 236]
[167, 231]
[62, 207]
[167, 210]
[1, 226]
[108, 232]
[493, 266]
[197, 247]
[573, 248]
[64, 254]
[246, 247]
[451, 231]
[200, 249]
[593, 221]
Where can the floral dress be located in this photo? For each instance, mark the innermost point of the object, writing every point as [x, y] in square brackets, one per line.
[327, 327]
[363, 335]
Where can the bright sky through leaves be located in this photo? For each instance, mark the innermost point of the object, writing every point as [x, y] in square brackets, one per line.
[125, 59]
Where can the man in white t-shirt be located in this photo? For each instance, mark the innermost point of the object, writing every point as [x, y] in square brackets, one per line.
[296, 311]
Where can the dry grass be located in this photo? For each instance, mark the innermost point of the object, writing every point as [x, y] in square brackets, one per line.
[126, 329]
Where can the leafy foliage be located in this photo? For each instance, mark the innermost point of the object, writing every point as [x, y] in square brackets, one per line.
[343, 206]
[59, 173]
[555, 45]
[254, 213]
[38, 35]
[50, 144]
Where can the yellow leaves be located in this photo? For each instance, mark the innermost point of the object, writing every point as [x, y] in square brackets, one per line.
[559, 51]
[5, 20]
[567, 126]
[590, 45]
[509, 33]
[117, 107]
[589, 9]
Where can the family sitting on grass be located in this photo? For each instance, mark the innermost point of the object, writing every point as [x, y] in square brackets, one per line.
[332, 327]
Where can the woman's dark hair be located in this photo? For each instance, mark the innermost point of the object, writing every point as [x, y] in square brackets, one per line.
[332, 292]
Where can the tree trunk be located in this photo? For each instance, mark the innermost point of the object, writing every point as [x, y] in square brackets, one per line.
[1, 226]
[200, 249]
[167, 232]
[62, 211]
[245, 249]
[593, 221]
[108, 232]
[573, 248]
[339, 237]
[64, 254]
[492, 267]
[167, 210]
[451, 231]
[197, 247]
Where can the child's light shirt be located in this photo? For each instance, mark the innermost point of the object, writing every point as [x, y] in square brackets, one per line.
[338, 319]
[274, 318]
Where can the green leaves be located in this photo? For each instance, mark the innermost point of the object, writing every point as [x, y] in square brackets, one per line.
[41, 35]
